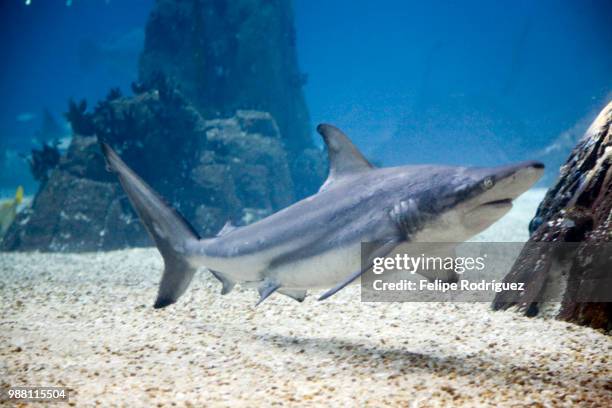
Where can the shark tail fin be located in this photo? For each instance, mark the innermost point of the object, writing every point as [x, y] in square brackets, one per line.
[169, 230]
[19, 195]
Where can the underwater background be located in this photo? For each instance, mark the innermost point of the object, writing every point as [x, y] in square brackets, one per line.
[471, 82]
[215, 104]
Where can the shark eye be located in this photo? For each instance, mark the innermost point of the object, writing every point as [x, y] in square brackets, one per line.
[488, 183]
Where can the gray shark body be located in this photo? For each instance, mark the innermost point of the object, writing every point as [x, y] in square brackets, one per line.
[316, 242]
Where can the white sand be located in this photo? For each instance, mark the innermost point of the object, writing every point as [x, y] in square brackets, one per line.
[86, 322]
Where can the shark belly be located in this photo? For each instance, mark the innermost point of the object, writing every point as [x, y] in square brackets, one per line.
[311, 272]
[319, 271]
[243, 268]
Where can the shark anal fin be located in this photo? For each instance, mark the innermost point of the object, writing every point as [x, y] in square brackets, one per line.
[295, 294]
[265, 289]
[381, 251]
[344, 157]
[228, 285]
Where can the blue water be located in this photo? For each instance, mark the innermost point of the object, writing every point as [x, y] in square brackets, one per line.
[470, 82]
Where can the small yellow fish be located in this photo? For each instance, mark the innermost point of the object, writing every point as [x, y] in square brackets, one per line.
[8, 211]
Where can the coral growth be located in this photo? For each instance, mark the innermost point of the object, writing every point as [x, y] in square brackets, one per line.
[42, 161]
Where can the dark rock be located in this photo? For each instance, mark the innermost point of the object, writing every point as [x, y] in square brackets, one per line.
[258, 163]
[71, 214]
[572, 228]
[83, 160]
[232, 55]
[79, 118]
[257, 122]
[228, 62]
[211, 171]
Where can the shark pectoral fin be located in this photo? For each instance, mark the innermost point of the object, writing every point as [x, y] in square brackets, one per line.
[296, 294]
[342, 285]
[228, 284]
[265, 289]
[382, 251]
[344, 157]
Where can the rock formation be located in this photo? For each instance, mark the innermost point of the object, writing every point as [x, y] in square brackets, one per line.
[211, 170]
[231, 55]
[568, 258]
[217, 125]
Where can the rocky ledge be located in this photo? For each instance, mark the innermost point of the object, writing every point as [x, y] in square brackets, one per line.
[212, 171]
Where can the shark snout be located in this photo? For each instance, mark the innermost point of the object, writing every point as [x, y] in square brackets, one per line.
[498, 187]
[533, 166]
[537, 165]
[506, 183]
[521, 175]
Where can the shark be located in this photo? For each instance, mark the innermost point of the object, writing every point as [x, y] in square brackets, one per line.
[316, 243]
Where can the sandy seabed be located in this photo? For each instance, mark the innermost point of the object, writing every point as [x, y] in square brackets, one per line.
[86, 322]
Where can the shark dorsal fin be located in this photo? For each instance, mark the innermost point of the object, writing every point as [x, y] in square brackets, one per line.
[227, 227]
[344, 157]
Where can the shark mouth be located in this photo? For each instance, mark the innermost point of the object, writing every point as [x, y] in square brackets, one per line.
[500, 202]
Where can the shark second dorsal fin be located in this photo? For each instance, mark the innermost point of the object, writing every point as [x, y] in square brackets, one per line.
[227, 227]
[344, 157]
